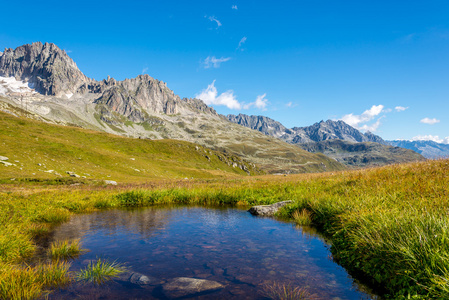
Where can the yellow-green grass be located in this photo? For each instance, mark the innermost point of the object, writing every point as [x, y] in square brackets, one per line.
[387, 224]
[100, 271]
[285, 291]
[65, 249]
[44, 153]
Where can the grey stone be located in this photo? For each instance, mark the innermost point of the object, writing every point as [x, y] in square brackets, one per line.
[111, 182]
[141, 279]
[185, 286]
[6, 164]
[3, 158]
[268, 210]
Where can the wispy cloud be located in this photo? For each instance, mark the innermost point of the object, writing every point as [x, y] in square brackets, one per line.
[359, 121]
[430, 121]
[144, 70]
[429, 137]
[213, 62]
[213, 19]
[400, 108]
[234, 7]
[291, 104]
[210, 97]
[242, 41]
[261, 103]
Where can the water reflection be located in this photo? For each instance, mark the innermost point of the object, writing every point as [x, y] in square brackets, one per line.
[229, 246]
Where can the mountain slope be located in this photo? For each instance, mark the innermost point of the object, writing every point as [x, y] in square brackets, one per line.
[140, 107]
[39, 150]
[428, 149]
[335, 139]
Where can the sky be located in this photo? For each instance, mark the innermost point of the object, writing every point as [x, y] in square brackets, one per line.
[381, 66]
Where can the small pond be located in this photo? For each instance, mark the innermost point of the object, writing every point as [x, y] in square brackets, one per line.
[244, 253]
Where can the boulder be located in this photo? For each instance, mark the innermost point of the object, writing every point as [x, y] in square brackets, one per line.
[3, 158]
[185, 286]
[268, 210]
[111, 182]
[141, 279]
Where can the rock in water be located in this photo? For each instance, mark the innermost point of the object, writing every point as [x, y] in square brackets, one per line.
[268, 210]
[141, 279]
[184, 286]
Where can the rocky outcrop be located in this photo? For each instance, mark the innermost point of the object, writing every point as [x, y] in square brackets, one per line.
[184, 286]
[45, 66]
[260, 123]
[133, 95]
[268, 210]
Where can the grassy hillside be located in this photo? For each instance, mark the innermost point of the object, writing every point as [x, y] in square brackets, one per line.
[386, 224]
[41, 151]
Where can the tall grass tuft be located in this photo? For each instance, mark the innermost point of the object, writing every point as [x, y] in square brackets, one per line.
[65, 249]
[284, 291]
[100, 271]
[31, 282]
[302, 217]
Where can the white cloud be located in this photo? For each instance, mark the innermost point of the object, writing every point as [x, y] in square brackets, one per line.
[210, 97]
[291, 104]
[368, 115]
[212, 61]
[242, 41]
[213, 19]
[429, 137]
[400, 108]
[144, 70]
[372, 127]
[261, 103]
[234, 7]
[430, 121]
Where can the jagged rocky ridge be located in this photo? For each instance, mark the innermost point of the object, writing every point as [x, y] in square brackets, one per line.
[140, 107]
[335, 139]
[321, 131]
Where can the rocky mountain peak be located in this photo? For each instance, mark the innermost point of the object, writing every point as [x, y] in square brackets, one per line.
[261, 123]
[46, 66]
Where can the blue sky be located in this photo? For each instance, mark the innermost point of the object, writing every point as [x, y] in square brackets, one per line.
[379, 65]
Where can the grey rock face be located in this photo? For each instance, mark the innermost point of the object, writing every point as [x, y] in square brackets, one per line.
[184, 286]
[268, 210]
[48, 68]
[260, 123]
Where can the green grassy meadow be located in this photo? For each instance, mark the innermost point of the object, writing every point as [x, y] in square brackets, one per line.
[388, 225]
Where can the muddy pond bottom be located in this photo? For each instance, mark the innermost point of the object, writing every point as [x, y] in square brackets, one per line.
[239, 256]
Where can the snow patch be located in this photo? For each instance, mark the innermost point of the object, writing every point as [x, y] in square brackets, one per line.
[11, 85]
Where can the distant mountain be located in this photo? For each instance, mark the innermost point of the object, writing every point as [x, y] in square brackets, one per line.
[321, 131]
[141, 107]
[362, 154]
[335, 139]
[428, 149]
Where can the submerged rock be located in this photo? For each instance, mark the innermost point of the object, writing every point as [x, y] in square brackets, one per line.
[268, 210]
[185, 286]
[141, 279]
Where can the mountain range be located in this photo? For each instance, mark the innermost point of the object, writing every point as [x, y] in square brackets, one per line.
[335, 139]
[42, 82]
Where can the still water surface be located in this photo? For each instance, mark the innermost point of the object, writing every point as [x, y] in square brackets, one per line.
[227, 245]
